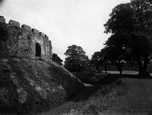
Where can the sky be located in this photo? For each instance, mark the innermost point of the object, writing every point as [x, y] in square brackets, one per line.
[65, 22]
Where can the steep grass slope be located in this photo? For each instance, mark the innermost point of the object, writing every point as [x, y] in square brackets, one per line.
[124, 96]
[34, 86]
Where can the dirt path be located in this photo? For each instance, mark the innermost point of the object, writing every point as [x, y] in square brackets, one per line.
[66, 107]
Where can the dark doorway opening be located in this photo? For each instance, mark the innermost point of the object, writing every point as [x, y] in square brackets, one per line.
[38, 50]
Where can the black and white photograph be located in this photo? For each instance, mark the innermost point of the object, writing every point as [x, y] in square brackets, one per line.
[75, 57]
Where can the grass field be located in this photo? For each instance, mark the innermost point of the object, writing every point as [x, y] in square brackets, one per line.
[127, 95]
[124, 72]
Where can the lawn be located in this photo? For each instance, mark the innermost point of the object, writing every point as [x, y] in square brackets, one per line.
[124, 72]
[125, 95]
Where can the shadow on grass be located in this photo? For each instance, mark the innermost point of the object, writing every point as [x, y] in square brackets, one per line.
[130, 76]
[90, 90]
[113, 77]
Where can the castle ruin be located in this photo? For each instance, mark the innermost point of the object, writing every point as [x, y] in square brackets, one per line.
[23, 42]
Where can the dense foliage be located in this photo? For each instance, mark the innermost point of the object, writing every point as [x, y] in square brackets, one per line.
[76, 60]
[130, 25]
[99, 59]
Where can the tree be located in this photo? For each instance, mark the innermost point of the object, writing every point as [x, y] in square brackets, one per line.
[99, 58]
[131, 27]
[115, 53]
[96, 60]
[105, 57]
[76, 60]
[56, 59]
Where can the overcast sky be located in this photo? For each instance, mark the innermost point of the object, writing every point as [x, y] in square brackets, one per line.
[66, 22]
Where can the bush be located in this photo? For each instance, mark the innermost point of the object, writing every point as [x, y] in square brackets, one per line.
[84, 76]
[98, 77]
[92, 78]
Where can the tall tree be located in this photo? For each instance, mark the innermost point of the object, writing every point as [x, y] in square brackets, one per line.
[115, 53]
[131, 27]
[96, 60]
[76, 60]
[105, 57]
[56, 59]
[99, 59]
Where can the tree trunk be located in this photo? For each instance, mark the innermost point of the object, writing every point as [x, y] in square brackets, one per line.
[143, 67]
[143, 72]
[119, 66]
[105, 65]
[97, 68]
[120, 70]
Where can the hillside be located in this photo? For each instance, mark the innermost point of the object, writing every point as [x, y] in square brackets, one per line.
[125, 96]
[131, 97]
[30, 86]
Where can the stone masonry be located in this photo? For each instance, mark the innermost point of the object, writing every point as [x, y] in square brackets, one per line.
[23, 42]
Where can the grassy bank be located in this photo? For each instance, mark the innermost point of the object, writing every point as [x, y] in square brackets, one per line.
[124, 95]
[34, 86]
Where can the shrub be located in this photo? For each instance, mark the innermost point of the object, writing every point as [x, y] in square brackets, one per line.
[84, 76]
[98, 77]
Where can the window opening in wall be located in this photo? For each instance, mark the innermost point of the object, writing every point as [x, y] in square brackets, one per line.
[38, 50]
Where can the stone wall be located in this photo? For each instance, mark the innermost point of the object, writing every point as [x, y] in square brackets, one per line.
[23, 42]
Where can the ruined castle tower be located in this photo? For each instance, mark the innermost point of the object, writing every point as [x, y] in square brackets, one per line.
[23, 42]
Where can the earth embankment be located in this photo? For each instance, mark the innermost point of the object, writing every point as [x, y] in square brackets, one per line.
[33, 86]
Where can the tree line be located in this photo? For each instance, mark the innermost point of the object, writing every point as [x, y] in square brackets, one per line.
[130, 41]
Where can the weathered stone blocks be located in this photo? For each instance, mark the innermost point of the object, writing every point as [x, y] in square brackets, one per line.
[42, 34]
[50, 44]
[14, 23]
[26, 27]
[21, 41]
[2, 19]
[35, 31]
